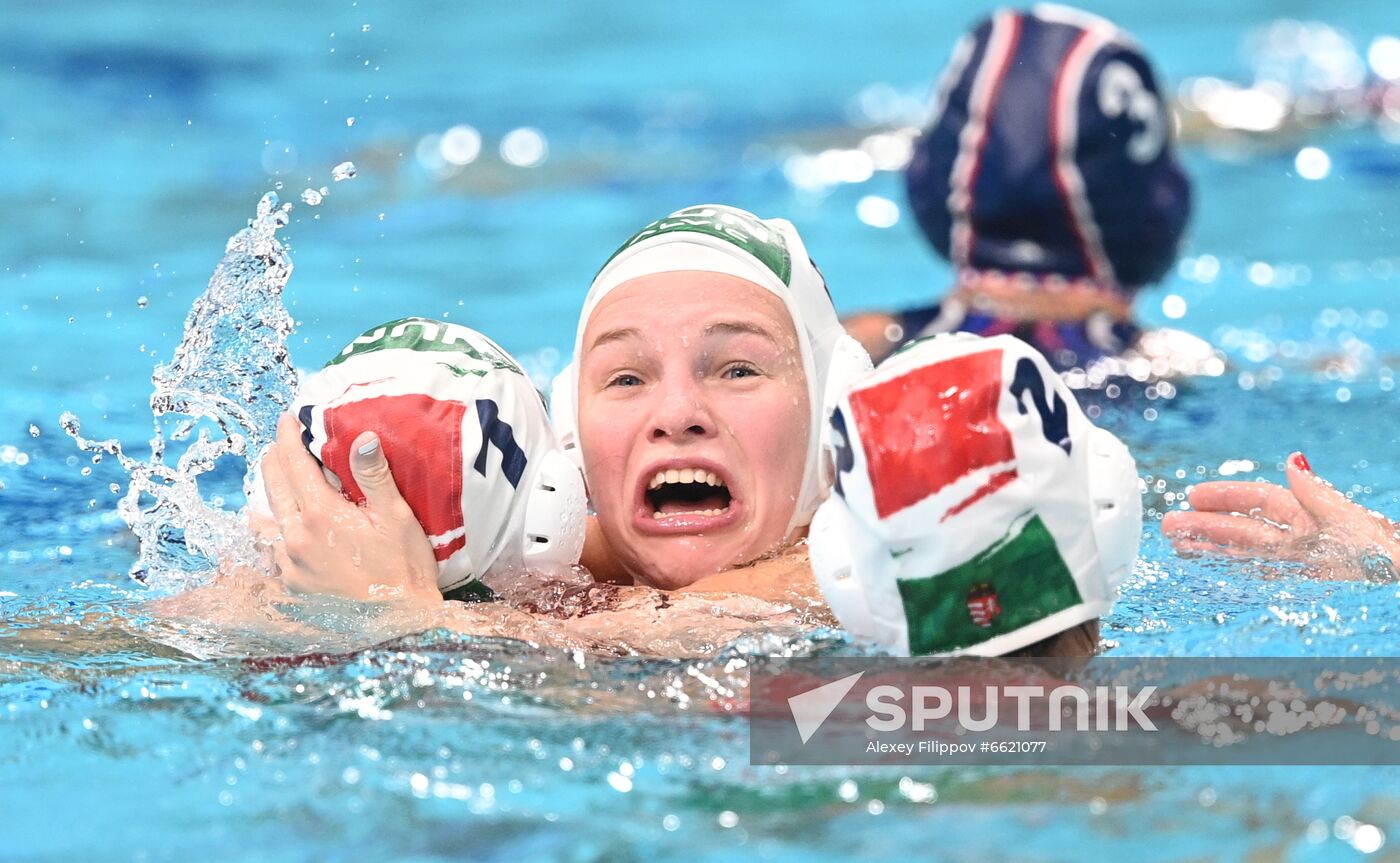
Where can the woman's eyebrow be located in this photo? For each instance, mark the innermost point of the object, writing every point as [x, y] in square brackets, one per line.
[734, 328]
[616, 335]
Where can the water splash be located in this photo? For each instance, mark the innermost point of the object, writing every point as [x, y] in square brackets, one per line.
[221, 394]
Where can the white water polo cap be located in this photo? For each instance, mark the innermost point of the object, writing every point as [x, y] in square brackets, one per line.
[767, 252]
[467, 440]
[976, 509]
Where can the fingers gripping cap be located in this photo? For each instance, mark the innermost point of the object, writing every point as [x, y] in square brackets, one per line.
[467, 440]
[1049, 150]
[976, 509]
[766, 252]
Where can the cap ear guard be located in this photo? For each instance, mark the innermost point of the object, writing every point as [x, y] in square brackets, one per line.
[832, 563]
[1115, 502]
[554, 514]
[563, 412]
[838, 548]
[849, 363]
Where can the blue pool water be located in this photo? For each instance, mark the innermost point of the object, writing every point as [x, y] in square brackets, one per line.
[134, 143]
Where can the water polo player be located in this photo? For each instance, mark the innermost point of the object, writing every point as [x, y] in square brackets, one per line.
[976, 509]
[1047, 178]
[478, 484]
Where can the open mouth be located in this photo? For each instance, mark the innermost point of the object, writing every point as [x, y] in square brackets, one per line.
[687, 491]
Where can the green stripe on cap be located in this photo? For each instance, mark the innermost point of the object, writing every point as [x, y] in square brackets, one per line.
[1022, 576]
[422, 334]
[744, 230]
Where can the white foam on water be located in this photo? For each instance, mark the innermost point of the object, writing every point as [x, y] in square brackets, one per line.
[219, 396]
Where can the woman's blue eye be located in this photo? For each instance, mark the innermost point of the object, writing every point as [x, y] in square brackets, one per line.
[740, 371]
[625, 381]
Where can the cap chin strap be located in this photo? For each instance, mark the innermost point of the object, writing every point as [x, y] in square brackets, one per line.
[553, 529]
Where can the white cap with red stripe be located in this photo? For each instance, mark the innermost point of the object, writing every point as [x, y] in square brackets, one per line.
[467, 439]
[977, 509]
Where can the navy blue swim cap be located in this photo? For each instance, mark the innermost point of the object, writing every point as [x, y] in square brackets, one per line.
[1049, 151]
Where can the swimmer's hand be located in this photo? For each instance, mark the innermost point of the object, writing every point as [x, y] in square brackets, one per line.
[324, 544]
[1309, 521]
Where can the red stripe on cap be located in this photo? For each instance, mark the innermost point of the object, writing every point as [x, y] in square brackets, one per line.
[1004, 66]
[996, 482]
[1086, 42]
[456, 544]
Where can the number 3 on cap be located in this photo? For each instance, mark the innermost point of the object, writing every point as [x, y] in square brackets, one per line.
[1121, 90]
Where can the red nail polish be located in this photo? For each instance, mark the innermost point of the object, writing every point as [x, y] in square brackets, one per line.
[1300, 461]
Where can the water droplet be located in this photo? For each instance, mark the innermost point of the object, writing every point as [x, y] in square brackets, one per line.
[343, 171]
[71, 319]
[349, 121]
[311, 197]
[234, 341]
[33, 430]
[364, 28]
[143, 301]
[86, 471]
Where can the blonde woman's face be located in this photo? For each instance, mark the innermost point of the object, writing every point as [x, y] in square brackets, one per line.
[693, 421]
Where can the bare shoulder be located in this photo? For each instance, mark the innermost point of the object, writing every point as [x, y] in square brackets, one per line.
[784, 578]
